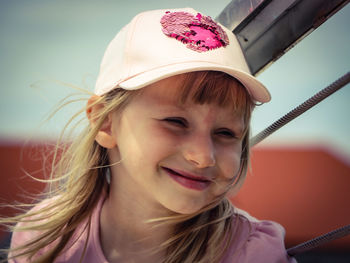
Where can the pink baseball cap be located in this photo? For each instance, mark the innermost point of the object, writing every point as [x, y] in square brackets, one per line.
[162, 43]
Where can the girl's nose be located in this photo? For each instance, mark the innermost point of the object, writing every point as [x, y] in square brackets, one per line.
[200, 152]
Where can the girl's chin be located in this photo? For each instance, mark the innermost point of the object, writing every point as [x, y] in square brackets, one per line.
[185, 207]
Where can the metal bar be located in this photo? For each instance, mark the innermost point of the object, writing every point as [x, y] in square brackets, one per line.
[320, 240]
[306, 105]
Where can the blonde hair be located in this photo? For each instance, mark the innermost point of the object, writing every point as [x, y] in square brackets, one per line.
[78, 180]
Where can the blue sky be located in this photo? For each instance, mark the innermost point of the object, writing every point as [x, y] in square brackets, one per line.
[43, 42]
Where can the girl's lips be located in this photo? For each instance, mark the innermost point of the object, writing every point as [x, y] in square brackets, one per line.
[188, 180]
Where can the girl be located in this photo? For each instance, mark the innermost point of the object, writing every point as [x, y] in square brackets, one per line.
[168, 140]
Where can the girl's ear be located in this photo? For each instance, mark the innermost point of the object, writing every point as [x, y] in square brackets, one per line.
[104, 136]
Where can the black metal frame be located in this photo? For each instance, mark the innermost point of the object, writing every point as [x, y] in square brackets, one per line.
[269, 30]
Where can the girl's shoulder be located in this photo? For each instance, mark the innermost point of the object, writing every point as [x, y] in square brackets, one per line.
[24, 233]
[257, 241]
[23, 229]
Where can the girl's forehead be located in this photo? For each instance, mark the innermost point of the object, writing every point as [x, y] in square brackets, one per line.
[169, 87]
[187, 89]
[166, 96]
[166, 91]
[167, 100]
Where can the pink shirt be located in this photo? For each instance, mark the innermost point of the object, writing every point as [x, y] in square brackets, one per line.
[257, 242]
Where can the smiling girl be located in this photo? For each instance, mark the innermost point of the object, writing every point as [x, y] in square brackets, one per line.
[168, 140]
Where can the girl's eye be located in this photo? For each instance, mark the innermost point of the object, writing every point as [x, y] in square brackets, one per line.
[178, 121]
[226, 133]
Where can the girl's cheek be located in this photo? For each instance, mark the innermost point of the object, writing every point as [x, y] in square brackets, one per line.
[229, 163]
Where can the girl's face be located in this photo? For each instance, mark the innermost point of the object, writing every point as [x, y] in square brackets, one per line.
[178, 156]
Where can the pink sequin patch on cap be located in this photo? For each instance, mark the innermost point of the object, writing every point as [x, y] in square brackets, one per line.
[199, 33]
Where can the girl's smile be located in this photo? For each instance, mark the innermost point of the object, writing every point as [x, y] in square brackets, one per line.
[191, 181]
[180, 156]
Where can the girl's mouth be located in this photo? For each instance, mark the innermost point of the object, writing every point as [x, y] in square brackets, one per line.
[188, 181]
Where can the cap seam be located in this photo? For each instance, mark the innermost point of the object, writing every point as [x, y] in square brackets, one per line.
[154, 68]
[177, 63]
[130, 36]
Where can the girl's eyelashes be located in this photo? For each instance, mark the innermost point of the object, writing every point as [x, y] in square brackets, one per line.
[178, 121]
[183, 123]
[226, 133]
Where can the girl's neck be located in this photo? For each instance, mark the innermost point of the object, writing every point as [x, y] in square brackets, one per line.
[126, 236]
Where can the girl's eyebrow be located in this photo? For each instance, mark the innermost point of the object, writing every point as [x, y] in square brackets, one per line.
[171, 104]
[236, 123]
[233, 121]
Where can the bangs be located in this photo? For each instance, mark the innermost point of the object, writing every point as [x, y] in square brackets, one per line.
[207, 87]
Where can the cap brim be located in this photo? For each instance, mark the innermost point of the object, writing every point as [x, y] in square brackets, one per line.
[255, 88]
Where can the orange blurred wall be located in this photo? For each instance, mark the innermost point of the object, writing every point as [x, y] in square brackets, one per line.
[306, 189]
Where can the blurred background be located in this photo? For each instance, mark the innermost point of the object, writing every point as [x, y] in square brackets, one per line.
[300, 175]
